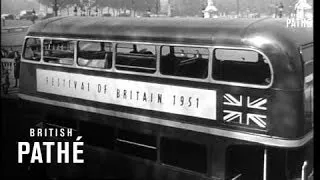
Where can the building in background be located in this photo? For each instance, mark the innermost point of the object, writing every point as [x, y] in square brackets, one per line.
[43, 9]
[210, 11]
[187, 7]
[303, 10]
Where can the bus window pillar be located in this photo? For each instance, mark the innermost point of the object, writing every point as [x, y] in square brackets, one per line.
[265, 156]
[303, 171]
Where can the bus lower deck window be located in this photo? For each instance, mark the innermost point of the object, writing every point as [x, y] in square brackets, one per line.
[32, 50]
[184, 61]
[58, 51]
[94, 54]
[136, 57]
[241, 66]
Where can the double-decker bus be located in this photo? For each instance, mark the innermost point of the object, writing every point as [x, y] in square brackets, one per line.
[177, 98]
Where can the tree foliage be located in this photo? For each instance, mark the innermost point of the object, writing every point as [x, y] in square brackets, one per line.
[62, 4]
[190, 7]
[140, 5]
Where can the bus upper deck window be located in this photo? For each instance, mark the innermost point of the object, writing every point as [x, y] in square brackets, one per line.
[184, 61]
[58, 51]
[95, 54]
[242, 66]
[32, 50]
[136, 57]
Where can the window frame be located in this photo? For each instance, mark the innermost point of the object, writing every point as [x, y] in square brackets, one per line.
[25, 46]
[116, 43]
[243, 84]
[308, 84]
[95, 41]
[60, 39]
[209, 68]
[157, 74]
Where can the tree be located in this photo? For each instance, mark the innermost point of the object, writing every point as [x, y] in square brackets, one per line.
[134, 5]
[61, 4]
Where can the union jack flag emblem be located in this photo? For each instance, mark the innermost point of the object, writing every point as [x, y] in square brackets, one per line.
[232, 101]
[232, 116]
[236, 115]
[257, 103]
[257, 119]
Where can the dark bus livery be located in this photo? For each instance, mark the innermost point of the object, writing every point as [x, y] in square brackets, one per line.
[177, 98]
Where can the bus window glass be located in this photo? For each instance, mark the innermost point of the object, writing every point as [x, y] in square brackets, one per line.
[58, 51]
[307, 53]
[236, 55]
[241, 66]
[95, 54]
[32, 50]
[184, 61]
[136, 57]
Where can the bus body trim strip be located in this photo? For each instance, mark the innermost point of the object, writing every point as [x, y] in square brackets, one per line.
[251, 137]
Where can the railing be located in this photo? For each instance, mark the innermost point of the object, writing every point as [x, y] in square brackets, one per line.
[7, 70]
[13, 48]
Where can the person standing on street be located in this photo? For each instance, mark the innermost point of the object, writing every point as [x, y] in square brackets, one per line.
[6, 82]
[75, 11]
[33, 18]
[280, 10]
[276, 10]
[3, 21]
[16, 67]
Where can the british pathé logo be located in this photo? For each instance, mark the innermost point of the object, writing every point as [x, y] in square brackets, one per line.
[299, 23]
[42, 152]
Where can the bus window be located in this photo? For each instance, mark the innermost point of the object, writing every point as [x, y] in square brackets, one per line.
[136, 57]
[95, 54]
[242, 66]
[58, 51]
[307, 53]
[32, 50]
[184, 61]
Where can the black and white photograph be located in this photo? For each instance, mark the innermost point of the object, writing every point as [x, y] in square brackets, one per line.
[157, 89]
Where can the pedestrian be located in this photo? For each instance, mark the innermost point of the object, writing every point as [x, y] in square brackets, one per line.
[75, 10]
[4, 53]
[83, 11]
[280, 10]
[276, 10]
[33, 18]
[6, 83]
[16, 67]
[3, 21]
[10, 53]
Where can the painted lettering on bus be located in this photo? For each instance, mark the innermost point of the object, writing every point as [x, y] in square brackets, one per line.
[136, 95]
[181, 100]
[85, 86]
[186, 101]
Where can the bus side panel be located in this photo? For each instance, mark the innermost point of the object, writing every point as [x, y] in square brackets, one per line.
[28, 78]
[285, 108]
[286, 114]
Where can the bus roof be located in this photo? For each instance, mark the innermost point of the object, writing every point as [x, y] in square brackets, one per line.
[268, 35]
[219, 31]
